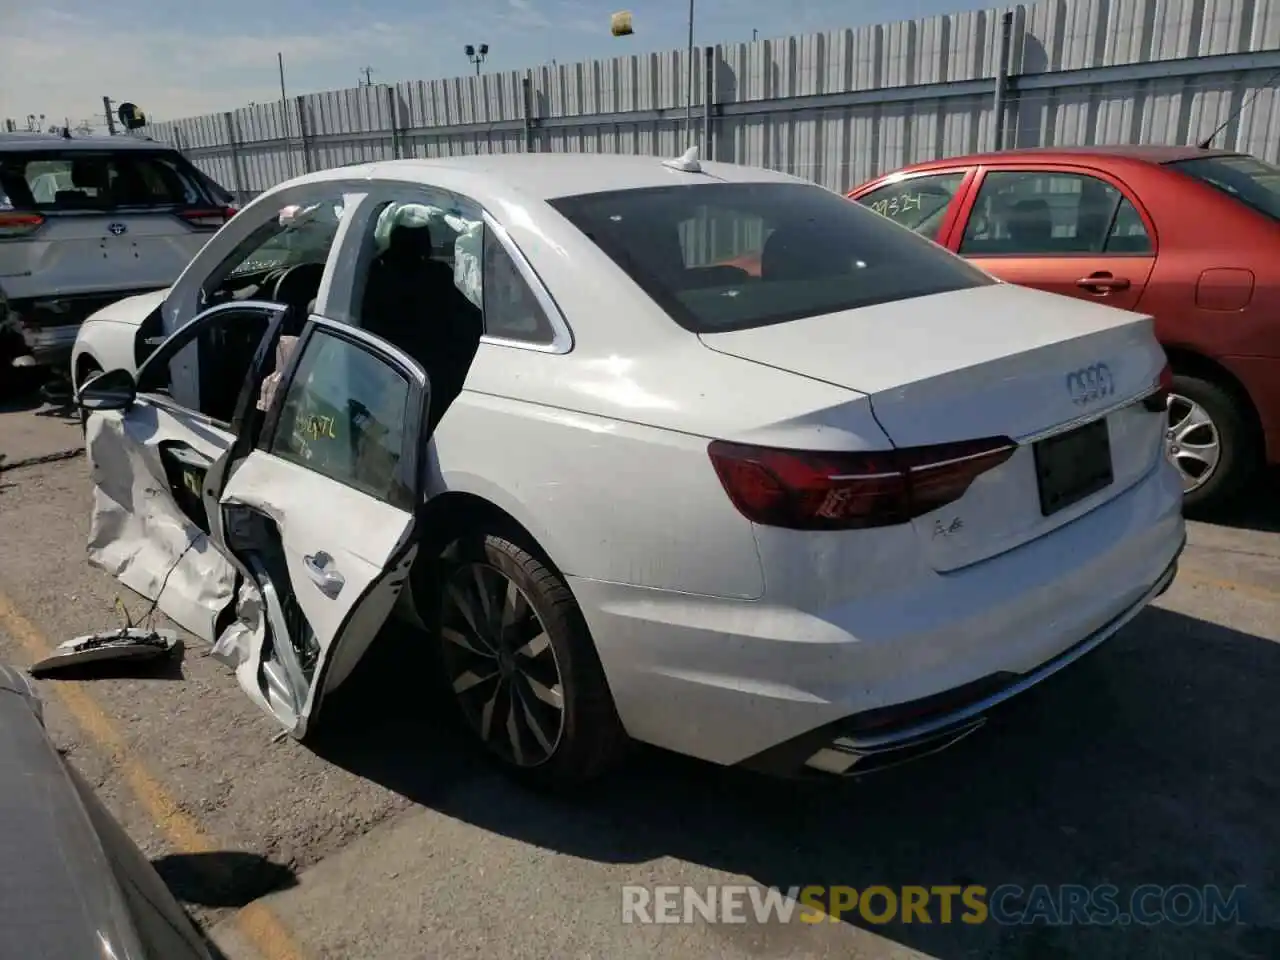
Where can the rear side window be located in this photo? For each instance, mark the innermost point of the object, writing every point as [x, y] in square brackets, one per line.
[83, 179]
[732, 256]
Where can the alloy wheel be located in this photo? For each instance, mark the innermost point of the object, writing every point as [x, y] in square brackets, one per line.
[1192, 442]
[501, 665]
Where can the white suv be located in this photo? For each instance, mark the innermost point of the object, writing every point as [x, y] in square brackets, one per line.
[85, 221]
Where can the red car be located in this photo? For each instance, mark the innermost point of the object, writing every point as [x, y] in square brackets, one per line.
[1189, 236]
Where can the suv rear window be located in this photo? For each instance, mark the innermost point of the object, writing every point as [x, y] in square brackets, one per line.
[1248, 179]
[93, 180]
[731, 256]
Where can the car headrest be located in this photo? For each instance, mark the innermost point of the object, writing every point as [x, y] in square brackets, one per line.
[408, 244]
[793, 253]
[1030, 221]
[89, 174]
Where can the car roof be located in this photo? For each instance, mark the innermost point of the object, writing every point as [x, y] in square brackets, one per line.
[53, 141]
[547, 176]
[1151, 153]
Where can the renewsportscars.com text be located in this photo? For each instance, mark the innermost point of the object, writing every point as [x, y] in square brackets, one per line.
[1007, 904]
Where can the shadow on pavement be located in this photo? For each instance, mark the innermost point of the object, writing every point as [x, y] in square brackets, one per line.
[1149, 762]
[166, 667]
[223, 878]
[21, 389]
[1259, 509]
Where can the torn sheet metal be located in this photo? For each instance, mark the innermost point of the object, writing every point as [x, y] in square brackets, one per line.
[114, 646]
[240, 646]
[138, 534]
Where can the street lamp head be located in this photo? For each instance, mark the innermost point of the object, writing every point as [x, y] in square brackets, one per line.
[484, 49]
[470, 50]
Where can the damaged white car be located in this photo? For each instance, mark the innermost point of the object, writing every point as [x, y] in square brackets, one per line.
[817, 516]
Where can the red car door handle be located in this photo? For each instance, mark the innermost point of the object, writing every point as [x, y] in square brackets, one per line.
[1102, 282]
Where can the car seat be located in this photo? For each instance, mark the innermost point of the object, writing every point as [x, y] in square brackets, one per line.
[411, 301]
[792, 252]
[1030, 225]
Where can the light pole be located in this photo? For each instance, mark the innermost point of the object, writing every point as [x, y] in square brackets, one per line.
[477, 55]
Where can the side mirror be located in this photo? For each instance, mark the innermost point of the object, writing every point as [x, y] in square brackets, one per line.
[107, 391]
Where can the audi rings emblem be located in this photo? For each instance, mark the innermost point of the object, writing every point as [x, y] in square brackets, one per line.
[1090, 383]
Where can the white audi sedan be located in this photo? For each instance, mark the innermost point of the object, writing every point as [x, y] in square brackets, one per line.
[815, 514]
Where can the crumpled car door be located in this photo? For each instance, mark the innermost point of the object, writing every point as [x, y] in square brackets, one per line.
[151, 465]
[321, 516]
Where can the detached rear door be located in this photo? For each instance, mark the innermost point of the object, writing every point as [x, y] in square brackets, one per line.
[320, 516]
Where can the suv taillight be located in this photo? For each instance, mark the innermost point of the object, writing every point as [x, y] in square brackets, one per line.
[208, 219]
[832, 490]
[1158, 402]
[13, 224]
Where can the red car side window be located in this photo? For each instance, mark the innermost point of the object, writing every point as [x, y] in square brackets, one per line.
[1051, 213]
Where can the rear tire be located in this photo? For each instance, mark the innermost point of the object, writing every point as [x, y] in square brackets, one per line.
[525, 676]
[1211, 441]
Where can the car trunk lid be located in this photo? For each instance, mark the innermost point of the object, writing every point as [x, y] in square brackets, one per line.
[993, 361]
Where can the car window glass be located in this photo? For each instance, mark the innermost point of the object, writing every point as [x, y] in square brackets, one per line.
[1128, 232]
[1042, 213]
[296, 236]
[225, 343]
[1249, 180]
[732, 256]
[919, 203]
[344, 415]
[421, 284]
[299, 233]
[511, 309]
[89, 180]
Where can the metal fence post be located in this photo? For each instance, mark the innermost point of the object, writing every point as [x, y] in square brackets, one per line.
[526, 97]
[393, 108]
[233, 141]
[304, 133]
[1002, 79]
[708, 89]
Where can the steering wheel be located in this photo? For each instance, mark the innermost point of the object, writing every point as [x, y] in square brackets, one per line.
[302, 278]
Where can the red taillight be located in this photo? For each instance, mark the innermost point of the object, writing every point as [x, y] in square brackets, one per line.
[1158, 402]
[13, 224]
[803, 490]
[208, 219]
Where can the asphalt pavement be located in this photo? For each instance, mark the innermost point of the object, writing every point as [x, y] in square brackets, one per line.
[1151, 761]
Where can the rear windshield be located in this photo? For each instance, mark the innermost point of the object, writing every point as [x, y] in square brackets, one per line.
[92, 180]
[1248, 179]
[731, 256]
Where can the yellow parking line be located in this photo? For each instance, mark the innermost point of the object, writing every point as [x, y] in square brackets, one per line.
[262, 928]
[1246, 589]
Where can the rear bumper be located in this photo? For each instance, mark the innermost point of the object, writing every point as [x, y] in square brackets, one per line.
[48, 326]
[51, 346]
[872, 741]
[903, 670]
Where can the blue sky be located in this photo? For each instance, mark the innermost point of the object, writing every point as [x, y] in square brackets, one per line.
[182, 58]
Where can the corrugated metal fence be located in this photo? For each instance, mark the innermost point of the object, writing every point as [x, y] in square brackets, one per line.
[836, 107]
